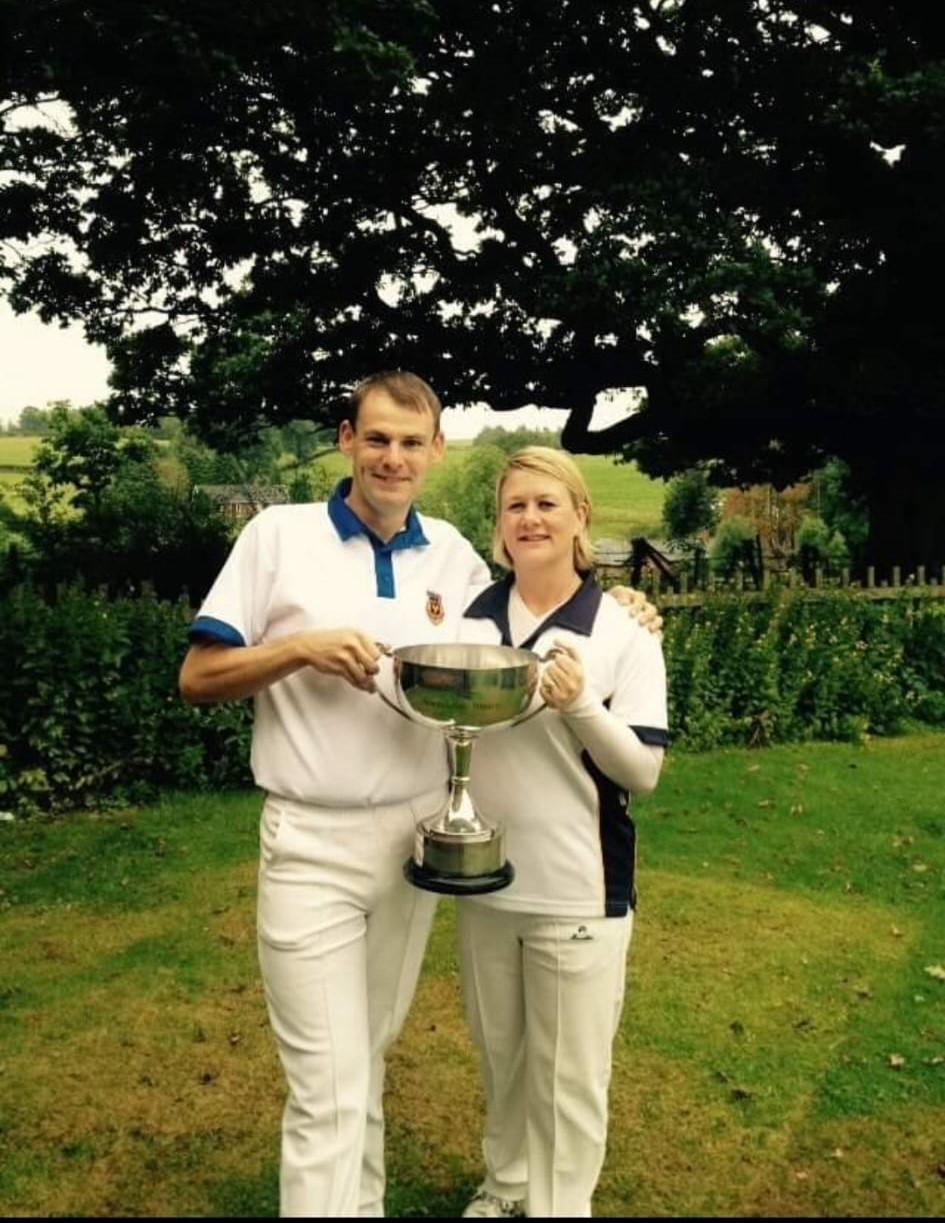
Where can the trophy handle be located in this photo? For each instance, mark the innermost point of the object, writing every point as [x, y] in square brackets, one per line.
[389, 653]
[416, 719]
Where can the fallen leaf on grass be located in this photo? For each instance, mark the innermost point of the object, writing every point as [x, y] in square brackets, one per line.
[801, 1175]
[936, 970]
[896, 1061]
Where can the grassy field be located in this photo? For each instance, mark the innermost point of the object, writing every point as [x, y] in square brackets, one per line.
[782, 1051]
[626, 502]
[17, 451]
[16, 454]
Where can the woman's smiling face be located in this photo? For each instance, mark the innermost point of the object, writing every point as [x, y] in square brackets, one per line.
[538, 519]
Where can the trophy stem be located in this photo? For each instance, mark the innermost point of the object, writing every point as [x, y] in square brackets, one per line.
[460, 816]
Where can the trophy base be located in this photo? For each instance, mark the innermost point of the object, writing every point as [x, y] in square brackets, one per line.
[458, 885]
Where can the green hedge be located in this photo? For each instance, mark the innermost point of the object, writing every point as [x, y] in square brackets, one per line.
[798, 666]
[90, 711]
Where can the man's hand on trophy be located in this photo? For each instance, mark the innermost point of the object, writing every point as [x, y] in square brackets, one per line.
[347, 653]
[638, 606]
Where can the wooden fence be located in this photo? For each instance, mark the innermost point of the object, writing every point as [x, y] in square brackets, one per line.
[924, 583]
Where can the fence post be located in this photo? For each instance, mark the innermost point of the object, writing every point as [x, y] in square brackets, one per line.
[920, 575]
[896, 575]
[845, 576]
[870, 576]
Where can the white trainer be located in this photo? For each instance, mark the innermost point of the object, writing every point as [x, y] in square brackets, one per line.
[485, 1205]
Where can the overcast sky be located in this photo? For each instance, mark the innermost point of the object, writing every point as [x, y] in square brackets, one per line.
[39, 363]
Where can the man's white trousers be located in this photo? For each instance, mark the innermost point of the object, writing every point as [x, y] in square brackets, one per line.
[543, 997]
[341, 941]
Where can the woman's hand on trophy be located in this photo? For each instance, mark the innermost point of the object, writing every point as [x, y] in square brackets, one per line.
[563, 680]
[639, 607]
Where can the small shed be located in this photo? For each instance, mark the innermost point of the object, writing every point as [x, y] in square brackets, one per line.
[612, 558]
[240, 502]
[636, 560]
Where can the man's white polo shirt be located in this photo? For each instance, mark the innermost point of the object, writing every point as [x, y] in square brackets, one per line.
[568, 832]
[301, 567]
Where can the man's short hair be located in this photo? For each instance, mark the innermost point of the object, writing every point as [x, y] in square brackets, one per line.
[406, 389]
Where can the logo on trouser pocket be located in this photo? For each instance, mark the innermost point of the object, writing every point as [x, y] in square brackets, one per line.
[582, 935]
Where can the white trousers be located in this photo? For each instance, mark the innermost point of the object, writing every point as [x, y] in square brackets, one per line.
[341, 940]
[543, 997]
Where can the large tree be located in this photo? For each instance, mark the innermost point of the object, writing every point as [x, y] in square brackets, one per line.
[734, 207]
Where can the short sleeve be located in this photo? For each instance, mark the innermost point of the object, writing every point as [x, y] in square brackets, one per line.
[233, 612]
[639, 697]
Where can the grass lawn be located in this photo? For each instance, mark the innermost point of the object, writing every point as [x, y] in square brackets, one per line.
[782, 1050]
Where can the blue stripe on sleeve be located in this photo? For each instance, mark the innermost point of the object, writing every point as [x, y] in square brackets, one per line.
[206, 628]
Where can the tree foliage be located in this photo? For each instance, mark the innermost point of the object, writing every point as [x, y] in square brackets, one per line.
[510, 440]
[691, 506]
[99, 511]
[734, 548]
[468, 500]
[736, 209]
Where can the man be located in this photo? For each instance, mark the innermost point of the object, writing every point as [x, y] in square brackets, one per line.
[294, 620]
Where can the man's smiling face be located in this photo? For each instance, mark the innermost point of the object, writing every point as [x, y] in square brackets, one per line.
[391, 448]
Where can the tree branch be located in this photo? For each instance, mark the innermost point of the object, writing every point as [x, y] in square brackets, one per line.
[576, 436]
[12, 106]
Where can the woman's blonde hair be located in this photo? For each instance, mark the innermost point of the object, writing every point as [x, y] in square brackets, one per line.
[558, 464]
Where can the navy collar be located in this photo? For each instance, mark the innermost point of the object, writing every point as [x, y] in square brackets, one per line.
[347, 523]
[578, 614]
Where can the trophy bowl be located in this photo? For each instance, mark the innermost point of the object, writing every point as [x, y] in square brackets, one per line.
[462, 690]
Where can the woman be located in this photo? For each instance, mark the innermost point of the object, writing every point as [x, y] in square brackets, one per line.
[544, 960]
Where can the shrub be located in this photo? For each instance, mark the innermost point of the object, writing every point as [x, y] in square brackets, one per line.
[92, 715]
[796, 667]
[819, 547]
[733, 547]
[91, 710]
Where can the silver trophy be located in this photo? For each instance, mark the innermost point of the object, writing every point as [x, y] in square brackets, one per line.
[462, 691]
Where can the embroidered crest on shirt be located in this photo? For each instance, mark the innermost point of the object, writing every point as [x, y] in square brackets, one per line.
[435, 607]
